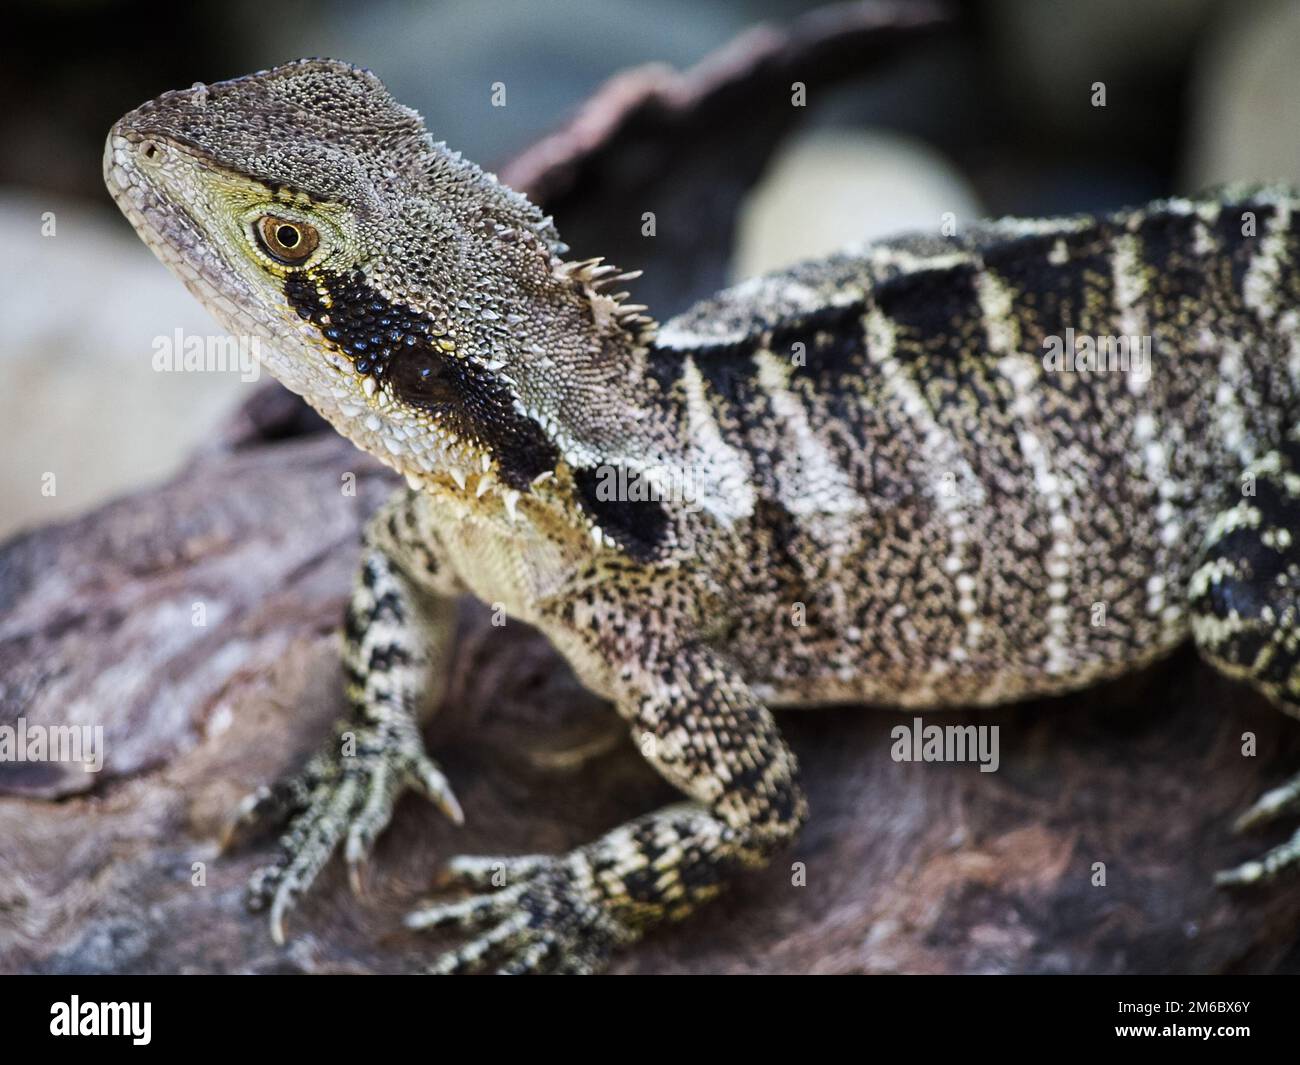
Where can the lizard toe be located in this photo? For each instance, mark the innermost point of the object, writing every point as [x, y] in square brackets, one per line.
[506, 939]
[484, 872]
[540, 956]
[273, 804]
[467, 914]
[1275, 803]
[337, 800]
[1284, 857]
[304, 850]
[546, 916]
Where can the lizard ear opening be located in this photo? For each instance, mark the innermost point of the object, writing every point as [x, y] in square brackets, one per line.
[423, 382]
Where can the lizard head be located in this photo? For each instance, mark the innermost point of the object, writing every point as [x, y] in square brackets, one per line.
[416, 302]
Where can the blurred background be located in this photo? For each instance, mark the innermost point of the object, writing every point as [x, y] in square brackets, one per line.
[995, 117]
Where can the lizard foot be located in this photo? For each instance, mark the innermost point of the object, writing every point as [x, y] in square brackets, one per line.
[1269, 807]
[337, 797]
[542, 914]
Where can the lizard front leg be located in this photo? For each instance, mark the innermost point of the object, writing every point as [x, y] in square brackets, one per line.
[398, 627]
[1245, 600]
[699, 725]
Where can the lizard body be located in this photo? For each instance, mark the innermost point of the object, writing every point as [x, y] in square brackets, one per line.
[866, 479]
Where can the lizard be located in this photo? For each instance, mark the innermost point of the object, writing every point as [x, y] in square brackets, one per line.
[860, 479]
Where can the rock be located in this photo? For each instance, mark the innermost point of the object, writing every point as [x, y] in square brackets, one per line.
[1243, 95]
[106, 421]
[833, 188]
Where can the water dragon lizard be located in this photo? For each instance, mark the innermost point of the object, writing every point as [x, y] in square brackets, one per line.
[858, 480]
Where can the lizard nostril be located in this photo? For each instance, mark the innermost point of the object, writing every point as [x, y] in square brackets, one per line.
[150, 152]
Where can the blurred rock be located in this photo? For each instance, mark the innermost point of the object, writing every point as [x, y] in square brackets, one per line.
[1050, 52]
[1242, 124]
[829, 189]
[82, 310]
[443, 59]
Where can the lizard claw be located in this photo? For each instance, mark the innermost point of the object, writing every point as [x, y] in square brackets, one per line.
[546, 916]
[272, 804]
[1273, 804]
[345, 800]
[431, 782]
[1266, 867]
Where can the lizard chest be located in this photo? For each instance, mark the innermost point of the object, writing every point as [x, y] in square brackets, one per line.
[510, 560]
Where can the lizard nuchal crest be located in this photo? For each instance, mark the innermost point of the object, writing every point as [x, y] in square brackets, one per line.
[857, 480]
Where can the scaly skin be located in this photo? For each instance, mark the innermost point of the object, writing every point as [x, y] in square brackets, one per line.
[858, 480]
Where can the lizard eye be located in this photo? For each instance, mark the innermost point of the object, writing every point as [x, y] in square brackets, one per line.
[285, 241]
